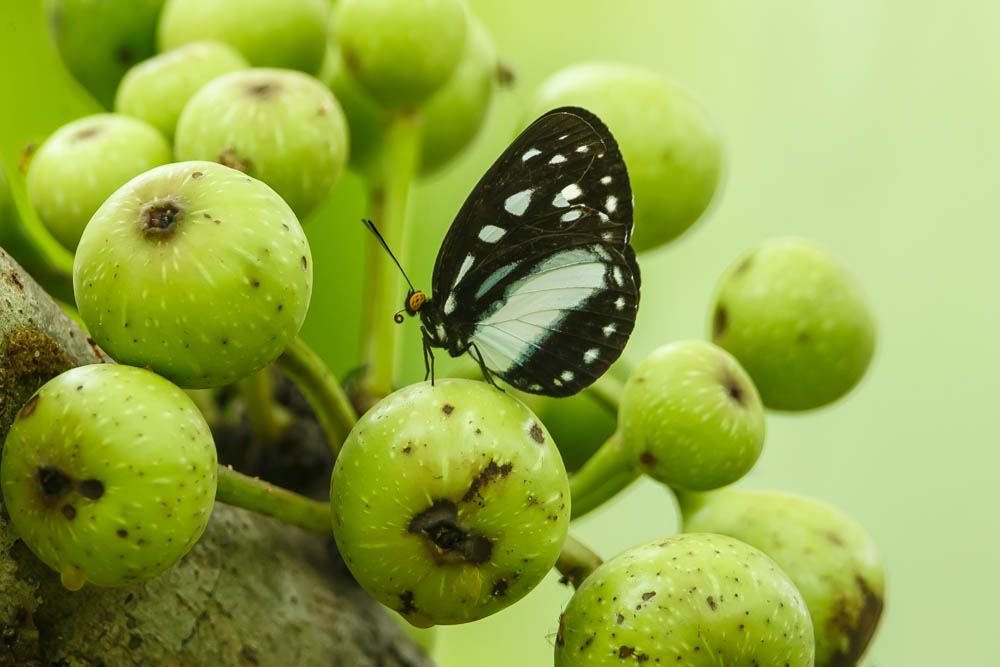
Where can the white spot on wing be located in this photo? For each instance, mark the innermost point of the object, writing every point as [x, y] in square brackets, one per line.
[571, 215]
[609, 329]
[491, 233]
[611, 203]
[494, 278]
[559, 201]
[563, 137]
[590, 356]
[606, 180]
[582, 149]
[517, 203]
[556, 159]
[530, 153]
[449, 304]
[620, 302]
[557, 382]
[617, 273]
[466, 265]
[567, 376]
[571, 191]
[440, 333]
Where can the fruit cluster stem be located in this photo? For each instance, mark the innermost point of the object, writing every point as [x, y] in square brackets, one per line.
[268, 418]
[389, 195]
[256, 495]
[607, 390]
[576, 561]
[604, 474]
[329, 401]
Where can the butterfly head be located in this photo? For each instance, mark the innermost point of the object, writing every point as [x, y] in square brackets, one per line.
[414, 300]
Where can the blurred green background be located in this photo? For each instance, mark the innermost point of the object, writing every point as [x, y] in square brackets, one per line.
[870, 126]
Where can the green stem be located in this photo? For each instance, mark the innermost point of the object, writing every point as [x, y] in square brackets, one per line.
[607, 390]
[576, 561]
[259, 496]
[604, 474]
[268, 419]
[385, 294]
[332, 407]
[688, 502]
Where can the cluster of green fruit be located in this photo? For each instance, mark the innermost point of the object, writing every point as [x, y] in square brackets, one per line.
[448, 502]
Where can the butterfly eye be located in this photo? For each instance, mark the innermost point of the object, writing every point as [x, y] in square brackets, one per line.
[416, 300]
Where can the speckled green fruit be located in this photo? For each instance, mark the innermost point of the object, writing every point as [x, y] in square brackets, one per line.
[832, 560]
[454, 114]
[196, 270]
[699, 600]
[269, 33]
[691, 417]
[798, 322]
[157, 89]
[669, 141]
[450, 502]
[99, 40]
[109, 475]
[280, 126]
[401, 51]
[83, 162]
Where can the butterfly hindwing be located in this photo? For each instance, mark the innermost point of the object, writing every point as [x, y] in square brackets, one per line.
[536, 273]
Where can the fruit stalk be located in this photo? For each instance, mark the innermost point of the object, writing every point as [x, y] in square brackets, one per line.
[607, 390]
[255, 494]
[576, 561]
[603, 475]
[384, 294]
[268, 419]
[332, 407]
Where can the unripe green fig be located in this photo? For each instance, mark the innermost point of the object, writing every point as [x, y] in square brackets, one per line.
[831, 559]
[109, 475]
[99, 40]
[280, 126]
[157, 89]
[691, 417]
[450, 501]
[195, 270]
[401, 51]
[798, 322]
[669, 141]
[83, 162]
[269, 33]
[700, 600]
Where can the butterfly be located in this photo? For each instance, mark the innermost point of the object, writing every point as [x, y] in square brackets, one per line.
[536, 278]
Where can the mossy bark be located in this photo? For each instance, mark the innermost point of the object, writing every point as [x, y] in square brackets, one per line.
[252, 591]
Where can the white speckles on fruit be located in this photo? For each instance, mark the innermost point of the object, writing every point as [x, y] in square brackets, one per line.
[185, 302]
[450, 502]
[698, 599]
[110, 476]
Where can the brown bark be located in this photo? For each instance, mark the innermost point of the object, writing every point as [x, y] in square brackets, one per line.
[252, 591]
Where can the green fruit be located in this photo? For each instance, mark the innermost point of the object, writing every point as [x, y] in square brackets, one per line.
[454, 114]
[668, 140]
[7, 211]
[289, 33]
[797, 321]
[831, 559]
[83, 162]
[99, 40]
[696, 600]
[280, 126]
[691, 417]
[109, 475]
[401, 51]
[157, 89]
[450, 501]
[195, 270]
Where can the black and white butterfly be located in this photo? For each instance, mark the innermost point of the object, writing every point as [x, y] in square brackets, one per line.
[536, 278]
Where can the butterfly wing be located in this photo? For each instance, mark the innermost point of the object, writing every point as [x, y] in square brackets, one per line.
[536, 272]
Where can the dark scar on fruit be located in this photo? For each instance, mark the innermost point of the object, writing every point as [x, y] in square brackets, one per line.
[647, 458]
[406, 597]
[491, 472]
[447, 408]
[858, 626]
[448, 541]
[536, 434]
[719, 322]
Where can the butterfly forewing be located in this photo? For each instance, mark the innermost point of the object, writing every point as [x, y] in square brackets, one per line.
[536, 272]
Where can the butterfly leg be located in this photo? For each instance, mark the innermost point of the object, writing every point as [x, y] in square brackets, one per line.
[428, 357]
[478, 356]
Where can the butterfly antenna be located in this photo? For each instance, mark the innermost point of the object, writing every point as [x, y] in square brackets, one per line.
[371, 227]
